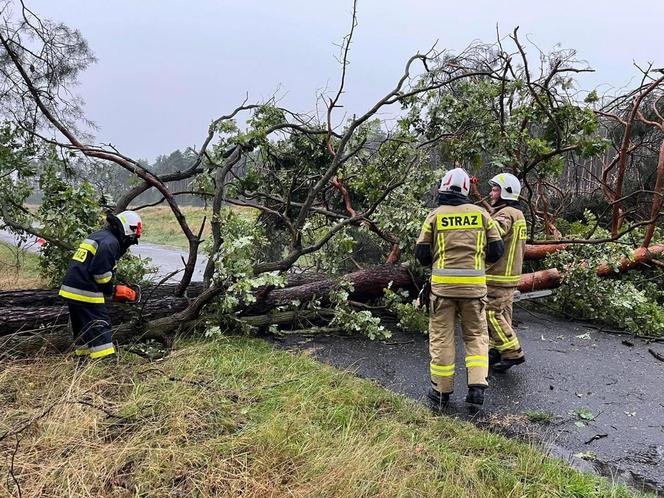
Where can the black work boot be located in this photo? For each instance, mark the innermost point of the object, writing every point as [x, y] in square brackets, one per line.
[475, 395]
[437, 398]
[494, 356]
[505, 365]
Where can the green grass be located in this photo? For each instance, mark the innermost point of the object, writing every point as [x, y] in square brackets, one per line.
[235, 417]
[18, 269]
[539, 417]
[161, 227]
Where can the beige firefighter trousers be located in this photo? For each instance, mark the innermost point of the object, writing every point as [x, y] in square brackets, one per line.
[442, 322]
[499, 318]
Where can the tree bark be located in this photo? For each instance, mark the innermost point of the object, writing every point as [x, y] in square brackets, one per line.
[539, 252]
[657, 196]
[367, 285]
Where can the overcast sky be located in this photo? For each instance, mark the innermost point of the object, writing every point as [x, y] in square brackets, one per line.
[166, 68]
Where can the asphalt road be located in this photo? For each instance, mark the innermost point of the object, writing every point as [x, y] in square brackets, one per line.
[572, 371]
[166, 259]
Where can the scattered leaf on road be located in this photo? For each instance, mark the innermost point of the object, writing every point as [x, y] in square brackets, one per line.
[585, 455]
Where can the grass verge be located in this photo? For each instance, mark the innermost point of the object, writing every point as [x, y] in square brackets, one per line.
[235, 417]
[161, 227]
[18, 269]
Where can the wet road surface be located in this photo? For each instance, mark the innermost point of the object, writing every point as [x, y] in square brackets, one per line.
[603, 392]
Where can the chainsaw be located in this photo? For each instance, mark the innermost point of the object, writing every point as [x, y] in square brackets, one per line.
[523, 296]
[127, 293]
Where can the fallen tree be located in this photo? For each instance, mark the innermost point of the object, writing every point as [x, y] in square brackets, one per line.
[37, 310]
[40, 308]
[33, 319]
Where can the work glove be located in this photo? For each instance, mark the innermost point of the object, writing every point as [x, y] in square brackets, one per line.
[124, 294]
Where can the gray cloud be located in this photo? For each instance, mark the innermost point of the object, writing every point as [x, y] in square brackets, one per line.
[168, 67]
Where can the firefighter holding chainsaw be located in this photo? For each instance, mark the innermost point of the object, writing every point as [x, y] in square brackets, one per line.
[456, 239]
[88, 283]
[503, 276]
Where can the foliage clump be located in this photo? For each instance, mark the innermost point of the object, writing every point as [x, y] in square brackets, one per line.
[352, 321]
[631, 300]
[409, 317]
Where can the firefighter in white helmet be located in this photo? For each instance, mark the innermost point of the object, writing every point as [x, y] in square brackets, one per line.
[88, 283]
[503, 276]
[455, 240]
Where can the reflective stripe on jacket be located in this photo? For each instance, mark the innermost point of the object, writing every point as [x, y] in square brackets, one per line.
[506, 272]
[88, 278]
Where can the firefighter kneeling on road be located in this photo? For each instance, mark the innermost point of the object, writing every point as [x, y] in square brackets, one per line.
[88, 283]
[453, 242]
[503, 276]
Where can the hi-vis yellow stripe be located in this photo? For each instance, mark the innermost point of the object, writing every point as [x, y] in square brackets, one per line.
[477, 357]
[500, 229]
[442, 374]
[511, 279]
[88, 247]
[477, 364]
[102, 353]
[79, 297]
[440, 246]
[479, 250]
[513, 344]
[505, 343]
[103, 280]
[491, 315]
[442, 370]
[454, 279]
[516, 230]
[477, 360]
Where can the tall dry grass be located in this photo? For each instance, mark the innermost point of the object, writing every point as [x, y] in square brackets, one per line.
[18, 269]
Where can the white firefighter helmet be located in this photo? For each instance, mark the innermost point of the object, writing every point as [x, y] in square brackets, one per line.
[456, 181]
[131, 223]
[510, 187]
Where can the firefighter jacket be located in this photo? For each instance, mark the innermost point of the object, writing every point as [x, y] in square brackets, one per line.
[91, 269]
[506, 272]
[458, 235]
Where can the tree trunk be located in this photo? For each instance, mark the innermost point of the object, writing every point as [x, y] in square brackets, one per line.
[367, 285]
[640, 255]
[31, 320]
[657, 196]
[535, 252]
[39, 309]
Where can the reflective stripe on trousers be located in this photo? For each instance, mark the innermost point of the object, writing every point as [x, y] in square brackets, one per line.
[503, 337]
[102, 350]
